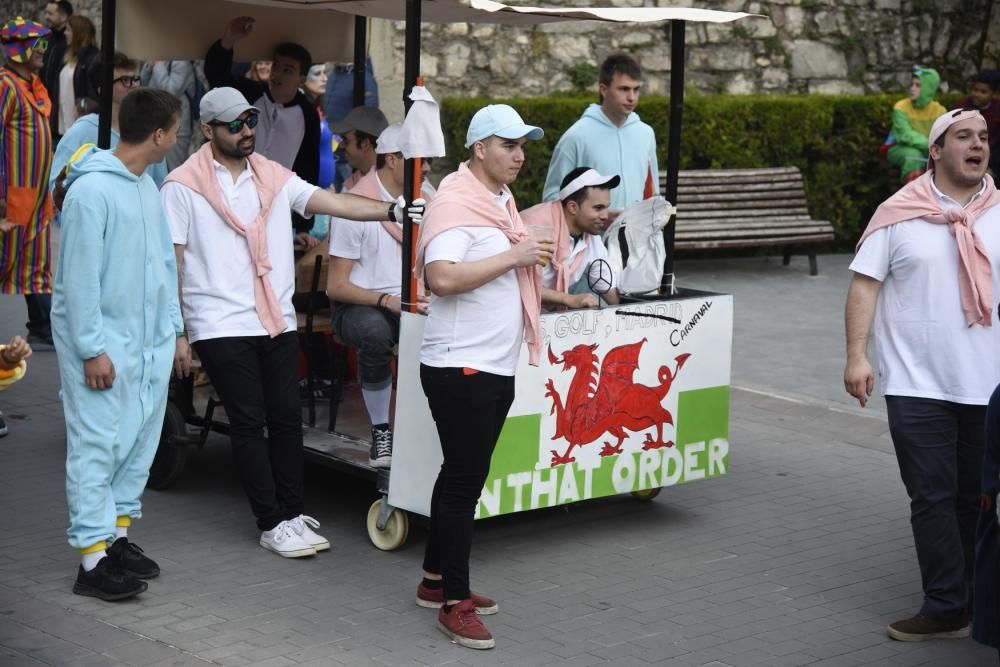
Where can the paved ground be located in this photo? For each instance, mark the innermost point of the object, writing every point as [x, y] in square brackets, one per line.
[800, 556]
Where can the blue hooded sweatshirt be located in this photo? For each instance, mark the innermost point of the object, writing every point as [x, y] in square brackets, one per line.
[115, 293]
[594, 141]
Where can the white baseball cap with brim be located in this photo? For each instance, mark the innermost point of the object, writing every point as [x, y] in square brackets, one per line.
[946, 120]
[389, 141]
[224, 105]
[588, 179]
[502, 121]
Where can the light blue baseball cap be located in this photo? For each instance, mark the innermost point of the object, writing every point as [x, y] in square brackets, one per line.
[500, 120]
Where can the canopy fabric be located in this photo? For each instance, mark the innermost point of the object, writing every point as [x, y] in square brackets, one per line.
[153, 29]
[488, 11]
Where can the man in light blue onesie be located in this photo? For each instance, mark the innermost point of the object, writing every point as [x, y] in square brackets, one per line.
[611, 138]
[117, 331]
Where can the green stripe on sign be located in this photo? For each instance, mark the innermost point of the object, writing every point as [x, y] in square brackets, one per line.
[516, 483]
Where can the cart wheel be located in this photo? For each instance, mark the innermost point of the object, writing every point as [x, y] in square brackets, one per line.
[646, 494]
[170, 456]
[396, 529]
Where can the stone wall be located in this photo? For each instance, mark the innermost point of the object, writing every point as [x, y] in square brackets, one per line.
[803, 46]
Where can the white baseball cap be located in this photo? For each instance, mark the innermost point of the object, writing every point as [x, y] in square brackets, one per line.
[500, 120]
[389, 140]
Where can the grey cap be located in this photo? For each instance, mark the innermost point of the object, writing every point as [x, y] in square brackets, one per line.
[369, 120]
[223, 104]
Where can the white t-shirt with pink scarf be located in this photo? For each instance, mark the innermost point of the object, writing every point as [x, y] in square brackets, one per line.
[482, 328]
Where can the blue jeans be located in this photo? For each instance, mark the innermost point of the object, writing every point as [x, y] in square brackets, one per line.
[338, 102]
[373, 332]
[339, 97]
[939, 447]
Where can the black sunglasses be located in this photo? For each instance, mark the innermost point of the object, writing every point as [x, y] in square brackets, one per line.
[236, 126]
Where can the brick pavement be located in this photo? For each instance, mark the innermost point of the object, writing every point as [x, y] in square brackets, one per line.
[800, 556]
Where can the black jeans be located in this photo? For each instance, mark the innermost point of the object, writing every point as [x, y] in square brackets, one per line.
[39, 306]
[256, 378]
[939, 447]
[469, 411]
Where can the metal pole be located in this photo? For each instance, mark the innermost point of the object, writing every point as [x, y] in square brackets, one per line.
[411, 72]
[360, 58]
[673, 147]
[108, 10]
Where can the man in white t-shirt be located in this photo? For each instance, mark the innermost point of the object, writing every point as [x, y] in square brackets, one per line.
[938, 359]
[361, 129]
[364, 284]
[480, 267]
[229, 212]
[579, 276]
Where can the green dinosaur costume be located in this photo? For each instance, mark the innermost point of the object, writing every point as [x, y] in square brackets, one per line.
[911, 123]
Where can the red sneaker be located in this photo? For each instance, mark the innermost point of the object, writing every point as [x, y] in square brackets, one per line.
[462, 624]
[433, 598]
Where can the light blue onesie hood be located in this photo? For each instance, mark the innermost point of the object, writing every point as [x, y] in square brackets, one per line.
[84, 131]
[93, 161]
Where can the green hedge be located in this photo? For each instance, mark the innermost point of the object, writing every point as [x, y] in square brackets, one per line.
[833, 139]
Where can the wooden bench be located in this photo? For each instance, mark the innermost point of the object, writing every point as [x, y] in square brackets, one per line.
[736, 208]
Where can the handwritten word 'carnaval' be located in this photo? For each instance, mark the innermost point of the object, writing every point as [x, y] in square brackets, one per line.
[678, 335]
[577, 481]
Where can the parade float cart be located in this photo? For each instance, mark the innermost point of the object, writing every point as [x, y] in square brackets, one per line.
[626, 399]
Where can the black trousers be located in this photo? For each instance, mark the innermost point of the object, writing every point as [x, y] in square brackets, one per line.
[39, 306]
[939, 447]
[256, 378]
[469, 411]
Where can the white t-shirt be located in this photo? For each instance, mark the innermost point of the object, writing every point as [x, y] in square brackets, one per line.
[67, 98]
[280, 131]
[218, 278]
[592, 248]
[924, 348]
[378, 257]
[482, 328]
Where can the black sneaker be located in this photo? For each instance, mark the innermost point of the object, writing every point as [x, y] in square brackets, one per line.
[39, 342]
[128, 556]
[107, 582]
[921, 628]
[3, 426]
[380, 455]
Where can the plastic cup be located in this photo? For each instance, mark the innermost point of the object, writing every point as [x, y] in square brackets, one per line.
[542, 234]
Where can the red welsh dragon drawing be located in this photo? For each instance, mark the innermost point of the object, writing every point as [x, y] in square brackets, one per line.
[616, 404]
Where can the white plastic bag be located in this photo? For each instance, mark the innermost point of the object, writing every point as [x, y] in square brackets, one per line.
[643, 223]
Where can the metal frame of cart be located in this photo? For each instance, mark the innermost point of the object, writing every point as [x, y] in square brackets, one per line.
[559, 445]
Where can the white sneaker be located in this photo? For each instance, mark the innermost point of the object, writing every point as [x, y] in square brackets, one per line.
[285, 541]
[303, 526]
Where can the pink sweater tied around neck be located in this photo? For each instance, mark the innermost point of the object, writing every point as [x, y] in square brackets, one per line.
[916, 200]
[463, 201]
[198, 174]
